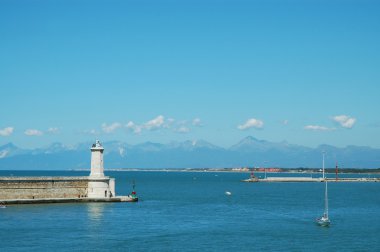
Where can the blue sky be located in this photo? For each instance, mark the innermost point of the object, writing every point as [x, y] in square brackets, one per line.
[305, 72]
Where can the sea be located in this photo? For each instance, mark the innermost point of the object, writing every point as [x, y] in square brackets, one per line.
[192, 211]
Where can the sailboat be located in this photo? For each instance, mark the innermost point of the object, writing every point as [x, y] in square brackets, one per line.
[324, 220]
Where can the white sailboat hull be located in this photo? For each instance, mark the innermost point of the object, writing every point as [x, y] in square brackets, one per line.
[323, 221]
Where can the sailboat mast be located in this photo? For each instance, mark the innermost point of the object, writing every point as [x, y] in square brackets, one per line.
[326, 201]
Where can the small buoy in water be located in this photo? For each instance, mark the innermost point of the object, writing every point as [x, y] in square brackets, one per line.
[228, 193]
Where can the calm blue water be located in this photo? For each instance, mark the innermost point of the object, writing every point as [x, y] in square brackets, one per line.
[190, 212]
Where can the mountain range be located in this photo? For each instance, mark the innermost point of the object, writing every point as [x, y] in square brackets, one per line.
[249, 152]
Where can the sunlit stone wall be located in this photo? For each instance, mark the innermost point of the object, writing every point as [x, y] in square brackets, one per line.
[43, 187]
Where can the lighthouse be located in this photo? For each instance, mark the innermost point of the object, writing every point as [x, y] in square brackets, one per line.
[99, 186]
[97, 167]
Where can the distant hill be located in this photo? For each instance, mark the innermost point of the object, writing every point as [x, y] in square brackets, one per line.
[249, 152]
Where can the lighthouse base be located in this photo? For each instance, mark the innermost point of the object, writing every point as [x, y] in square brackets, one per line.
[103, 187]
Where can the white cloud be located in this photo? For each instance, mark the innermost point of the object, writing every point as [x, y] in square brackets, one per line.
[169, 123]
[251, 123]
[33, 132]
[130, 125]
[161, 123]
[317, 128]
[183, 129]
[6, 131]
[110, 128]
[155, 123]
[135, 128]
[53, 130]
[345, 121]
[285, 122]
[197, 122]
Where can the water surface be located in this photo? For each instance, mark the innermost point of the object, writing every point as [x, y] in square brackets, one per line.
[189, 211]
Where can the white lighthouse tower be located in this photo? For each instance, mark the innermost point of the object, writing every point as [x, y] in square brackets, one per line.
[99, 186]
[97, 168]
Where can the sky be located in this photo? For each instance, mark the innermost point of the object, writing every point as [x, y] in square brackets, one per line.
[305, 72]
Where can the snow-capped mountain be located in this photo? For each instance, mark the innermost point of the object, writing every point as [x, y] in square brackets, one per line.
[249, 151]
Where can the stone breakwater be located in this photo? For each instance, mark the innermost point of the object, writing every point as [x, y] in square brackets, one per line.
[36, 190]
[45, 187]
[308, 179]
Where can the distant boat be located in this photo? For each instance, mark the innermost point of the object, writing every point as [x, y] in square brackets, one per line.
[324, 220]
[228, 193]
[252, 178]
[2, 205]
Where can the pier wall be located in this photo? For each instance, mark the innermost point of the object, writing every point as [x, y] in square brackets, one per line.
[45, 187]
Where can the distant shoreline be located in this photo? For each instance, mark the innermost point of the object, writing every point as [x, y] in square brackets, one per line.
[232, 170]
[248, 170]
